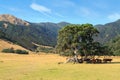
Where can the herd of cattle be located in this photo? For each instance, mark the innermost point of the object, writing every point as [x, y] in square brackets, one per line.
[88, 60]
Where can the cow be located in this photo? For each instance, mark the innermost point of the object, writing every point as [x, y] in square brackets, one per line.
[107, 60]
[98, 61]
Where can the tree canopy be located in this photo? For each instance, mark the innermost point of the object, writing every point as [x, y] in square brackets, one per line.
[78, 39]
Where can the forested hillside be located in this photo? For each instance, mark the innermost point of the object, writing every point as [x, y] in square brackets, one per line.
[115, 45]
[26, 35]
[108, 31]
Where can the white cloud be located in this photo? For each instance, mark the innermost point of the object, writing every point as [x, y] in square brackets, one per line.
[44, 10]
[63, 3]
[68, 3]
[114, 16]
[100, 4]
[14, 9]
[40, 8]
[59, 15]
[85, 11]
[10, 8]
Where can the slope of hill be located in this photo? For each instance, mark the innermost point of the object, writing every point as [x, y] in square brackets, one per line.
[6, 44]
[39, 33]
[25, 33]
[13, 20]
[108, 31]
[115, 45]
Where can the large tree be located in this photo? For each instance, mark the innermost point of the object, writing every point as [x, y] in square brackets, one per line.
[73, 38]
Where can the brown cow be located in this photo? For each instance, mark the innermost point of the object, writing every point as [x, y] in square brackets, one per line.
[98, 61]
[107, 60]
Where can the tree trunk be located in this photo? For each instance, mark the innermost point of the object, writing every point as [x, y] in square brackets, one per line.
[76, 56]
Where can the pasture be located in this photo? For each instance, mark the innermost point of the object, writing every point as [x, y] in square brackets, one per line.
[46, 67]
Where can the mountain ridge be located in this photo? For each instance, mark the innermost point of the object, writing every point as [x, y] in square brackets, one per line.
[108, 31]
[45, 33]
[39, 33]
[13, 20]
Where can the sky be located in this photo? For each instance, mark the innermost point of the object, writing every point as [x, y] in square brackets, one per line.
[72, 11]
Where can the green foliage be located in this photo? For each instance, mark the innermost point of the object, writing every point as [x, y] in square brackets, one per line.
[79, 38]
[9, 50]
[2, 34]
[18, 51]
[73, 37]
[67, 53]
[108, 31]
[114, 45]
[41, 33]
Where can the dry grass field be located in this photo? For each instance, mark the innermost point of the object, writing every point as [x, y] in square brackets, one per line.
[46, 67]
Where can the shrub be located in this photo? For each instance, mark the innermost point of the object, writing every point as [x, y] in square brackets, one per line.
[9, 50]
[18, 51]
[21, 51]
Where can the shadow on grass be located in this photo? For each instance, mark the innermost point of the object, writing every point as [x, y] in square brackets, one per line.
[103, 63]
[112, 63]
[107, 63]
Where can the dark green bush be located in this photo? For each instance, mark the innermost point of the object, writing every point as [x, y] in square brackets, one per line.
[9, 50]
[18, 51]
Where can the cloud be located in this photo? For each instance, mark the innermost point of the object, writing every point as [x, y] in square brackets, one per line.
[100, 4]
[14, 9]
[44, 10]
[40, 8]
[59, 15]
[63, 3]
[114, 16]
[68, 3]
[85, 11]
[10, 8]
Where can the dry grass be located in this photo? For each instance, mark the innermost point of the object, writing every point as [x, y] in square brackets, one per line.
[5, 44]
[46, 67]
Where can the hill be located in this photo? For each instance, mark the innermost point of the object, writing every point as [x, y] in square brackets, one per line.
[25, 33]
[15, 30]
[108, 31]
[115, 45]
[6, 44]
[13, 20]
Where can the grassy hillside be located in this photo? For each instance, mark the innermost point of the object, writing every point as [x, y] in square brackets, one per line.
[45, 67]
[6, 44]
